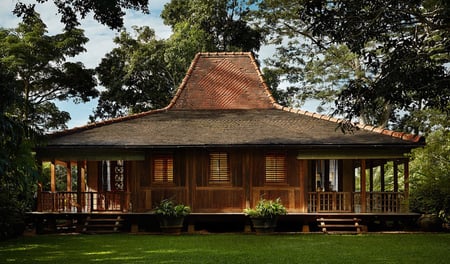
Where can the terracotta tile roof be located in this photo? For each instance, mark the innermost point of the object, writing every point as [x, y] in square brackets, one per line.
[223, 100]
[223, 81]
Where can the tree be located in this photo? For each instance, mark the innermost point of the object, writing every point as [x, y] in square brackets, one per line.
[430, 175]
[379, 60]
[109, 12]
[222, 23]
[142, 72]
[135, 75]
[17, 167]
[207, 26]
[42, 73]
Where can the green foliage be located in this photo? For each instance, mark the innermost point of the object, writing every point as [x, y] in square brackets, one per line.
[378, 61]
[17, 165]
[169, 208]
[42, 75]
[109, 12]
[430, 175]
[135, 75]
[266, 208]
[142, 73]
[221, 22]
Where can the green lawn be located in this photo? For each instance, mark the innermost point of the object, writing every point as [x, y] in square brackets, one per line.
[228, 248]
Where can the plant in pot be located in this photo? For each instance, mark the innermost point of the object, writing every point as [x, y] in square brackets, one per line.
[264, 216]
[171, 215]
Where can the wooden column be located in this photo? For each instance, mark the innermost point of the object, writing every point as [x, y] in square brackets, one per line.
[363, 186]
[406, 179]
[371, 176]
[303, 164]
[69, 176]
[52, 176]
[81, 185]
[395, 176]
[382, 178]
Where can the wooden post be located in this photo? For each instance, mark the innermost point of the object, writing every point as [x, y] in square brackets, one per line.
[371, 176]
[363, 186]
[81, 185]
[395, 176]
[303, 186]
[382, 178]
[406, 179]
[69, 176]
[52, 176]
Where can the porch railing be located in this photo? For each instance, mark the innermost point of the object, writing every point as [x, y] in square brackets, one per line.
[329, 202]
[382, 202]
[86, 202]
[376, 202]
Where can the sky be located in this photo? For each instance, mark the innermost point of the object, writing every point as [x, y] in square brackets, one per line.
[100, 41]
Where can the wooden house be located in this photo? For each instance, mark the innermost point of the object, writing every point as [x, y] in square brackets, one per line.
[221, 144]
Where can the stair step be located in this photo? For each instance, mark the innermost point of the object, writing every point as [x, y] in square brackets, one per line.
[339, 219]
[103, 224]
[93, 232]
[340, 225]
[105, 220]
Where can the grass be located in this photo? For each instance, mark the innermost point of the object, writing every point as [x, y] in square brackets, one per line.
[227, 248]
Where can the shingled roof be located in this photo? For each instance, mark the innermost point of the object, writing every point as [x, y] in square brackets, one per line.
[224, 101]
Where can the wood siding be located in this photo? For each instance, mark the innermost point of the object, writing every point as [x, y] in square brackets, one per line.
[192, 186]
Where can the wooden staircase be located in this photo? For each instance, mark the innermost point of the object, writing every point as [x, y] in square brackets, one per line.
[102, 224]
[340, 225]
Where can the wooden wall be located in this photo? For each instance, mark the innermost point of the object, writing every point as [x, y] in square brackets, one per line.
[191, 183]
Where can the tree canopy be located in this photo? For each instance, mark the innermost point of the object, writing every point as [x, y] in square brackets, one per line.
[135, 75]
[142, 72]
[430, 188]
[384, 60]
[42, 74]
[109, 12]
[222, 23]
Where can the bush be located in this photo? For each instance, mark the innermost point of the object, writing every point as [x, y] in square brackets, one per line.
[430, 176]
[12, 217]
[169, 208]
[266, 208]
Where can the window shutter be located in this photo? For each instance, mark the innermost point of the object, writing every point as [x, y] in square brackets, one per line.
[276, 168]
[163, 169]
[218, 168]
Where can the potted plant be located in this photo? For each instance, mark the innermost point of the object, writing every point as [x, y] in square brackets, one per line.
[264, 216]
[171, 215]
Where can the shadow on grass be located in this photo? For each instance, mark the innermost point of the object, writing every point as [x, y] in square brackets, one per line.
[227, 248]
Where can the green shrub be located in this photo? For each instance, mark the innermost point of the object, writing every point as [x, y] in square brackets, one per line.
[266, 208]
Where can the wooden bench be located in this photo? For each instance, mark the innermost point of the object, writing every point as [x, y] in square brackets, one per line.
[340, 225]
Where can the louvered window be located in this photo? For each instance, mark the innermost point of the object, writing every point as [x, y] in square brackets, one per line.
[163, 169]
[218, 168]
[276, 168]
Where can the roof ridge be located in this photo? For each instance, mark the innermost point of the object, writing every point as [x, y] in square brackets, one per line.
[401, 135]
[225, 53]
[263, 82]
[185, 80]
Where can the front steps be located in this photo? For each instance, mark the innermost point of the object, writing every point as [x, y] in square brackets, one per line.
[103, 224]
[340, 225]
